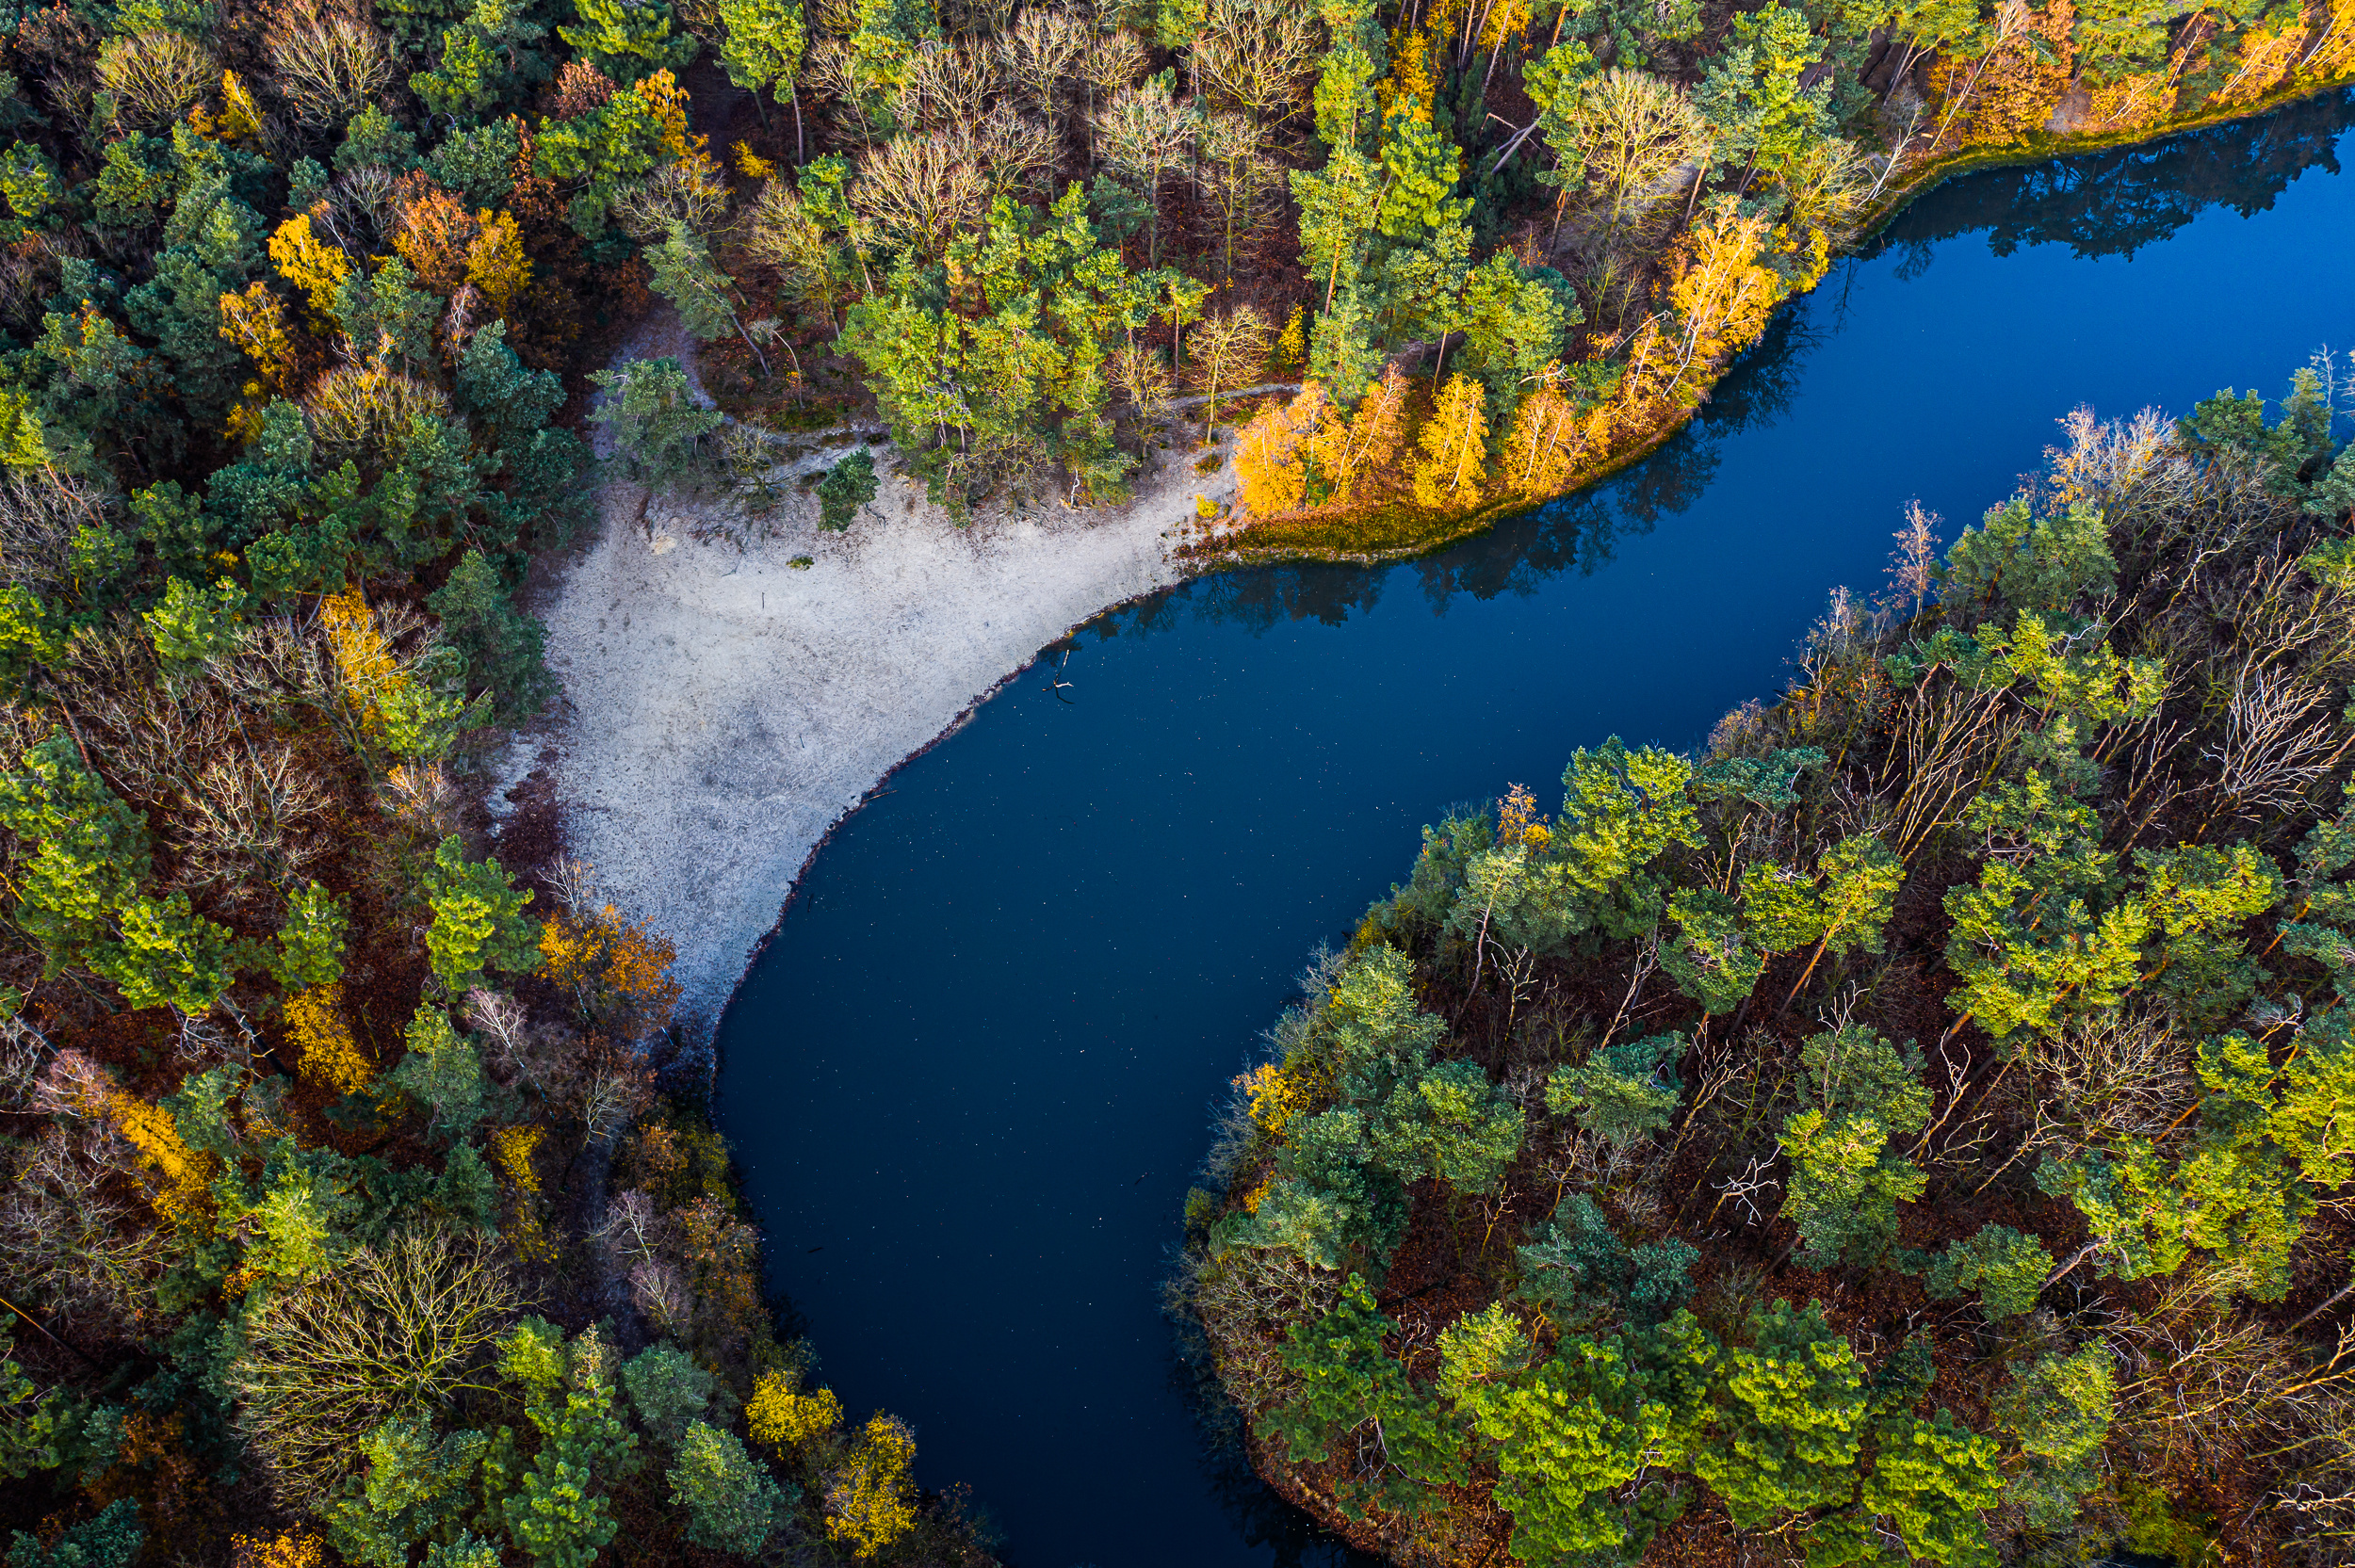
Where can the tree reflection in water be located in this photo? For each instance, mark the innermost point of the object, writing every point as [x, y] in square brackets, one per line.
[2097, 204]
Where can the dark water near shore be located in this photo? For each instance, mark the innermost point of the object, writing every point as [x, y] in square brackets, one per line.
[970, 1077]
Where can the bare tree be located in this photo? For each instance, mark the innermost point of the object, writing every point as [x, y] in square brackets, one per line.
[946, 85]
[918, 190]
[1234, 171]
[2281, 737]
[329, 70]
[1045, 50]
[1258, 56]
[1636, 130]
[1228, 352]
[1910, 565]
[1145, 132]
[1112, 61]
[406, 1325]
[156, 75]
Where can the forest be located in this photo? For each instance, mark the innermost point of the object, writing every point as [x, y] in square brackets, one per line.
[1918, 1127]
[359, 1198]
[362, 1204]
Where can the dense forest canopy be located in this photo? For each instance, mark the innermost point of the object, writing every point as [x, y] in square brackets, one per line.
[361, 1203]
[1922, 1127]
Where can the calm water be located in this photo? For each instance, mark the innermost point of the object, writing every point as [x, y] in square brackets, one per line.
[969, 1078]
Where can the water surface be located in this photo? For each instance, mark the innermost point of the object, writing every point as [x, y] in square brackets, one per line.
[968, 1079]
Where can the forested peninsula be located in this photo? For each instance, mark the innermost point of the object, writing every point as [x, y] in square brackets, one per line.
[1921, 1127]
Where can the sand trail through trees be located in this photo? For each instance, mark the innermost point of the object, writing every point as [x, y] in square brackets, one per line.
[723, 709]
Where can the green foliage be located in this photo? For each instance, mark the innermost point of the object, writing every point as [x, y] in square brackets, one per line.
[1788, 1432]
[478, 921]
[466, 1550]
[1618, 1095]
[762, 45]
[1568, 1433]
[685, 274]
[2023, 561]
[848, 485]
[600, 152]
[1579, 1272]
[1348, 1380]
[732, 1504]
[1751, 92]
[1379, 1035]
[192, 628]
[629, 41]
[1847, 1181]
[417, 1488]
[2291, 454]
[384, 314]
[1005, 373]
[79, 896]
[2004, 1267]
[1714, 960]
[109, 1541]
[2272, 1138]
[1928, 1483]
[1451, 1123]
[442, 1069]
[48, 1430]
[310, 948]
[1481, 1347]
[554, 1510]
[375, 139]
[658, 425]
[502, 646]
[2042, 936]
[1515, 320]
[480, 164]
[668, 1390]
[2057, 1409]
[1622, 812]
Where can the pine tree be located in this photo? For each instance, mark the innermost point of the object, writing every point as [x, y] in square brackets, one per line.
[502, 645]
[628, 40]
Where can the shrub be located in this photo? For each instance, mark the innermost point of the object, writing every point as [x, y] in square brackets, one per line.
[668, 1390]
[847, 486]
[732, 1504]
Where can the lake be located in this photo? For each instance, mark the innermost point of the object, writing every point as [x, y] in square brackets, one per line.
[970, 1077]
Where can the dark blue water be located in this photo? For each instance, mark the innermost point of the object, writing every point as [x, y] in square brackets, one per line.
[968, 1080]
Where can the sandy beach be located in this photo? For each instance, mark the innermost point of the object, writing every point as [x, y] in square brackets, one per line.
[723, 708]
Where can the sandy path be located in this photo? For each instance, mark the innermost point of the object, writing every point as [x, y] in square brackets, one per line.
[723, 709]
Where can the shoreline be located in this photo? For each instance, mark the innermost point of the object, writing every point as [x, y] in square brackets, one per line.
[725, 711]
[1235, 550]
[837, 733]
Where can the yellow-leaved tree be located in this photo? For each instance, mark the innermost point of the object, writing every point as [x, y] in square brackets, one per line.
[785, 1418]
[309, 263]
[1541, 448]
[496, 263]
[870, 1499]
[1722, 296]
[1271, 469]
[325, 1051]
[1455, 442]
[1342, 454]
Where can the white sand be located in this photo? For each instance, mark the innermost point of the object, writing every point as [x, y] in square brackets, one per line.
[724, 710]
